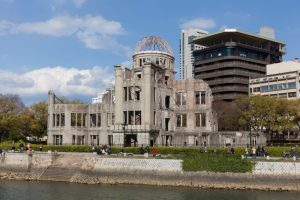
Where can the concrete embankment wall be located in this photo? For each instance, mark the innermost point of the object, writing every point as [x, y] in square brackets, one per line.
[92, 169]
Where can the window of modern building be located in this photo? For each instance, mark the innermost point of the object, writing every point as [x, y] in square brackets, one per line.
[181, 98]
[292, 94]
[181, 120]
[200, 97]
[282, 95]
[256, 89]
[292, 85]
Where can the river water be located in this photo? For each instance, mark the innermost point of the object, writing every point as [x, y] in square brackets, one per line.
[24, 190]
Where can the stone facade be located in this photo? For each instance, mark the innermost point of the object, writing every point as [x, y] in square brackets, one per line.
[146, 106]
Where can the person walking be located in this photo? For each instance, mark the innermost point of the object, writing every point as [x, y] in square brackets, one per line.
[246, 152]
[253, 152]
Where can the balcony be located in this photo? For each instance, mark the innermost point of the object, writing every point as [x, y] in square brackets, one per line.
[230, 72]
[230, 89]
[230, 64]
[217, 59]
[227, 80]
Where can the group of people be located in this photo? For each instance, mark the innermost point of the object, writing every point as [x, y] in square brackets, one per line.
[104, 150]
[256, 151]
[292, 153]
[144, 150]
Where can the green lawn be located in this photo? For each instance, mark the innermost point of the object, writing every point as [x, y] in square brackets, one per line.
[216, 163]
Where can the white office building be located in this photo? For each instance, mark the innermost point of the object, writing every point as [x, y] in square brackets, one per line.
[282, 81]
[186, 51]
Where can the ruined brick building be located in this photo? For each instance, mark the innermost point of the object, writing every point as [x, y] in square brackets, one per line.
[146, 106]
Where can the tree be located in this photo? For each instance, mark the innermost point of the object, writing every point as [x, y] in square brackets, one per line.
[228, 116]
[266, 114]
[295, 109]
[9, 108]
[40, 118]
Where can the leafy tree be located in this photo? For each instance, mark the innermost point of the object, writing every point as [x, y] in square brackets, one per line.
[266, 114]
[9, 108]
[228, 116]
[40, 117]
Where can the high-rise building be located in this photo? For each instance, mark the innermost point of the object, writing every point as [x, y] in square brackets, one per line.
[231, 57]
[186, 51]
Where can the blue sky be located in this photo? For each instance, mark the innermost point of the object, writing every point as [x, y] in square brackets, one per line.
[71, 46]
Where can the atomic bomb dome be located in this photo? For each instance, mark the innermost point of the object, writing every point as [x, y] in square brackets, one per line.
[153, 44]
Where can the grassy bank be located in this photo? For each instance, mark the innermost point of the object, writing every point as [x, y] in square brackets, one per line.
[214, 163]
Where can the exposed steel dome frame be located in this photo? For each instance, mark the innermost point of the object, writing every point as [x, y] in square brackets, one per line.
[153, 43]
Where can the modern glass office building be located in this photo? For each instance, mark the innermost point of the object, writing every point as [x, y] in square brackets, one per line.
[231, 57]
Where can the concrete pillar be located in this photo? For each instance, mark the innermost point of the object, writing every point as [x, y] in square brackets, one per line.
[147, 96]
[50, 108]
[50, 116]
[119, 94]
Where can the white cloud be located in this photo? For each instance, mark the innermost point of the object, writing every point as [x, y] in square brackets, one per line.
[64, 81]
[200, 23]
[94, 31]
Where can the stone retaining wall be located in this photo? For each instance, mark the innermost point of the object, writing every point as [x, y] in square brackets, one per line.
[277, 168]
[125, 164]
[93, 169]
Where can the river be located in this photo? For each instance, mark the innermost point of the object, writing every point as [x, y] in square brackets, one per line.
[25, 190]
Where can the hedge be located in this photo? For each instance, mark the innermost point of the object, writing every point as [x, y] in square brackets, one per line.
[273, 151]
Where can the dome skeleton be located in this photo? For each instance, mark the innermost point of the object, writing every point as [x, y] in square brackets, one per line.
[153, 43]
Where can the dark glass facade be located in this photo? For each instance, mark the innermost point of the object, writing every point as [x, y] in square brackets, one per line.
[230, 59]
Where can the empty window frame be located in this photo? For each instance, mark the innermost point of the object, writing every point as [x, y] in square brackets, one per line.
[200, 97]
[99, 120]
[200, 119]
[181, 98]
[93, 120]
[181, 120]
[167, 102]
[73, 119]
[138, 117]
